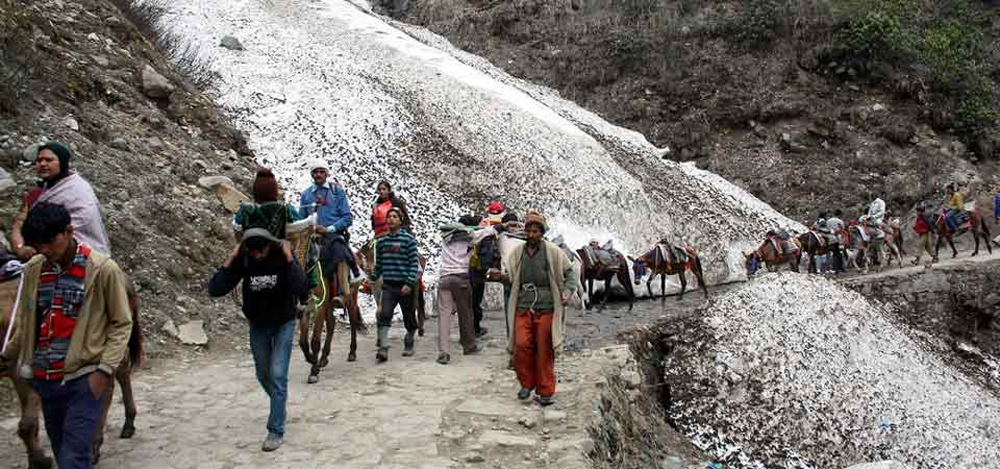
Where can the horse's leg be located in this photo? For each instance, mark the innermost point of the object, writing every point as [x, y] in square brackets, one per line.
[98, 442]
[699, 274]
[684, 283]
[315, 339]
[590, 293]
[951, 242]
[304, 338]
[27, 427]
[649, 285]
[663, 285]
[421, 306]
[124, 377]
[607, 292]
[354, 313]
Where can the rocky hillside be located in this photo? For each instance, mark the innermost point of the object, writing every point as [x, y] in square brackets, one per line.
[809, 104]
[92, 73]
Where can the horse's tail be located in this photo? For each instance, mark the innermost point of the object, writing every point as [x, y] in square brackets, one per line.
[135, 340]
[697, 265]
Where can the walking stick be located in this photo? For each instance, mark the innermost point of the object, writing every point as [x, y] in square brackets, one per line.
[13, 318]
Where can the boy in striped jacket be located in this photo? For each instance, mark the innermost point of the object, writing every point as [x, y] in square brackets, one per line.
[397, 263]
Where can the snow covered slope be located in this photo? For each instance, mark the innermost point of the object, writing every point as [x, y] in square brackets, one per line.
[381, 100]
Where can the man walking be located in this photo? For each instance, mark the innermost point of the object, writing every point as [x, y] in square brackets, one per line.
[542, 282]
[73, 328]
[397, 263]
[272, 284]
[454, 293]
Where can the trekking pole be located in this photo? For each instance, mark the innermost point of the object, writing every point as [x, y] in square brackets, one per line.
[13, 317]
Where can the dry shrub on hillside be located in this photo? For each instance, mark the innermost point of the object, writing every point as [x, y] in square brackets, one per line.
[151, 18]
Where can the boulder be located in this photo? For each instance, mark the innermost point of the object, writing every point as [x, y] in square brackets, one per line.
[154, 85]
[171, 329]
[6, 181]
[193, 333]
[231, 43]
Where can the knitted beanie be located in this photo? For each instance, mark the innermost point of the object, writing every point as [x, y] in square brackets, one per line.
[265, 186]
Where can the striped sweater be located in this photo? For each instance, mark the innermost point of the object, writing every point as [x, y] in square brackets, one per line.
[396, 259]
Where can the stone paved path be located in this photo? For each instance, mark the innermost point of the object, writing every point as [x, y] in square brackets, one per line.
[209, 413]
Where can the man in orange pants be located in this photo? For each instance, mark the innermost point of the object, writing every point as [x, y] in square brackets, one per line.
[542, 282]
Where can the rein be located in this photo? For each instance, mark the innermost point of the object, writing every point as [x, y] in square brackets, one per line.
[13, 317]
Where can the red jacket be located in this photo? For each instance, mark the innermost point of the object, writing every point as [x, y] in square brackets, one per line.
[922, 226]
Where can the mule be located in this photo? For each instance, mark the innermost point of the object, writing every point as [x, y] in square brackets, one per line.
[589, 273]
[975, 225]
[869, 247]
[31, 404]
[655, 263]
[333, 291]
[365, 257]
[813, 244]
[773, 257]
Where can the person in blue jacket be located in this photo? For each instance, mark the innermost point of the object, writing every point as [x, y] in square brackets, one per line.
[328, 200]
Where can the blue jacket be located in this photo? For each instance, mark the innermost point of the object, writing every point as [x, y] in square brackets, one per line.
[996, 206]
[330, 204]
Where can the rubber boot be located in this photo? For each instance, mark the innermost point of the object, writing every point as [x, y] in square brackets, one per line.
[383, 344]
[408, 344]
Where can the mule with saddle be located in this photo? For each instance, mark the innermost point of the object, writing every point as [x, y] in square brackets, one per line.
[604, 263]
[665, 260]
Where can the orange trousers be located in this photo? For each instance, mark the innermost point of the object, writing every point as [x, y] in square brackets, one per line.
[534, 358]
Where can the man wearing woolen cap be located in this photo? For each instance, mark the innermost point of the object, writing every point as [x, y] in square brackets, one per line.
[273, 282]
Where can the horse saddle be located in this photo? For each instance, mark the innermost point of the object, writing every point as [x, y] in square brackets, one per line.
[602, 259]
[962, 218]
[781, 245]
[672, 254]
[825, 239]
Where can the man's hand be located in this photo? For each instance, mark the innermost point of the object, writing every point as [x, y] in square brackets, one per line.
[286, 247]
[233, 255]
[406, 290]
[25, 253]
[98, 382]
[565, 298]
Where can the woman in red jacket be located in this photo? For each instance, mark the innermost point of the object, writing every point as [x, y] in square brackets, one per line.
[386, 200]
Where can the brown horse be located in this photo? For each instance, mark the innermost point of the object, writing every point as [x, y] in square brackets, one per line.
[365, 257]
[869, 247]
[975, 225]
[773, 257]
[656, 263]
[334, 291]
[591, 272]
[31, 405]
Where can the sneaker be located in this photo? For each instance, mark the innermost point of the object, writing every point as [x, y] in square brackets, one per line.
[408, 345]
[382, 355]
[444, 358]
[524, 394]
[272, 443]
[482, 331]
[474, 350]
[545, 401]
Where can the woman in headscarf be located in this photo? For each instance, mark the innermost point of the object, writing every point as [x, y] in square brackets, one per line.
[59, 185]
[384, 201]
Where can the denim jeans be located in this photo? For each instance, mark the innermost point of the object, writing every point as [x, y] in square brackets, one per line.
[272, 348]
[71, 418]
[392, 296]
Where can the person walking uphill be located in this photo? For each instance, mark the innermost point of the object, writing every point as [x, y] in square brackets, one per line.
[542, 282]
[59, 185]
[385, 200]
[923, 226]
[397, 263]
[454, 293]
[273, 282]
[73, 328]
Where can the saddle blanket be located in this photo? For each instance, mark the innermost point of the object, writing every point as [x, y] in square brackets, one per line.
[673, 255]
[601, 257]
[826, 239]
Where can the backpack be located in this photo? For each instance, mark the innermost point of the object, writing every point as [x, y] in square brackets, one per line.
[272, 216]
[484, 255]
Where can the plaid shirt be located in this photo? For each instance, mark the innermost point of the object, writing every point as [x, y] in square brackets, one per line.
[60, 294]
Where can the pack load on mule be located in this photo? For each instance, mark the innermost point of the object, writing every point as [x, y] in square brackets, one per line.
[666, 259]
[605, 263]
[778, 248]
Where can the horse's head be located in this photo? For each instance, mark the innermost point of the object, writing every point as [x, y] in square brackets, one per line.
[639, 268]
